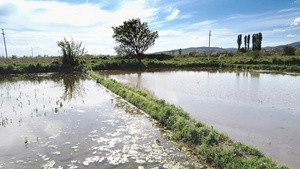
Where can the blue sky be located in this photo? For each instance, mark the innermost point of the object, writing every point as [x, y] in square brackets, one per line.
[40, 24]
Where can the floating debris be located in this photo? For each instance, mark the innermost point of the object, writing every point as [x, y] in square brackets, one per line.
[49, 164]
[94, 159]
[55, 153]
[80, 111]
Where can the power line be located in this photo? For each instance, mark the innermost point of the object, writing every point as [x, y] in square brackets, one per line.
[4, 42]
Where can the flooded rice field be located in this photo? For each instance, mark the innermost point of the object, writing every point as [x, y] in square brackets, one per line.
[70, 121]
[259, 109]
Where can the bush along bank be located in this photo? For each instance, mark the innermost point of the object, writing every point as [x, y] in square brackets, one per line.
[211, 147]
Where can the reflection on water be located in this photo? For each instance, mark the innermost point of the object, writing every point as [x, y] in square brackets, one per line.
[69, 121]
[73, 87]
[260, 109]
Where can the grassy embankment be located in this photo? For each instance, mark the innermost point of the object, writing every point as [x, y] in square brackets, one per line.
[210, 146]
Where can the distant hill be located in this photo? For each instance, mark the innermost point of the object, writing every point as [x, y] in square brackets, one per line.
[197, 49]
[280, 47]
[215, 49]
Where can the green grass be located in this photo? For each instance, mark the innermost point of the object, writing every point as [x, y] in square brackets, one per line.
[214, 148]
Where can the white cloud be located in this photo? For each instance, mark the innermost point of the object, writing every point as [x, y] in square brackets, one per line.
[279, 30]
[208, 24]
[169, 32]
[296, 22]
[296, 2]
[287, 10]
[77, 15]
[205, 23]
[291, 36]
[174, 14]
[39, 24]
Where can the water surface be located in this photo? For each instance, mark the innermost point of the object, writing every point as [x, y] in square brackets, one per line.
[260, 109]
[70, 121]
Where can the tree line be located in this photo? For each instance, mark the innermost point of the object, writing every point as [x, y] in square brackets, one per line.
[256, 42]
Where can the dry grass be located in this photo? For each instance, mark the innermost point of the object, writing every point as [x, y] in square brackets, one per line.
[28, 60]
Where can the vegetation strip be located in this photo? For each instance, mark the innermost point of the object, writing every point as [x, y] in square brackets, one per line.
[149, 61]
[210, 146]
[290, 63]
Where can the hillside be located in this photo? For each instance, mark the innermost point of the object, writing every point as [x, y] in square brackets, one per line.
[215, 49]
[280, 47]
[197, 49]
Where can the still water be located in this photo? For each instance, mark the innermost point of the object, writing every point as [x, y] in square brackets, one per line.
[259, 109]
[70, 121]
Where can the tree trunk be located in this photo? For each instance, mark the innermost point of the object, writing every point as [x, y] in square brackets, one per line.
[139, 57]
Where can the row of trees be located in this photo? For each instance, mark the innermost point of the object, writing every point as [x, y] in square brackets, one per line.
[256, 42]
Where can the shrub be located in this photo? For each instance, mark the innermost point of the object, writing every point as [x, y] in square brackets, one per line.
[289, 50]
[222, 57]
[297, 52]
[255, 54]
[71, 51]
[193, 54]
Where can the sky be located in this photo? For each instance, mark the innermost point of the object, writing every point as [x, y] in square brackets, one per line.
[34, 26]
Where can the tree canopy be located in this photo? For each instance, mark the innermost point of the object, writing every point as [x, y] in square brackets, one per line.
[256, 41]
[134, 37]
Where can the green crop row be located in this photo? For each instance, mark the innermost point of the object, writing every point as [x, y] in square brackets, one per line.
[211, 147]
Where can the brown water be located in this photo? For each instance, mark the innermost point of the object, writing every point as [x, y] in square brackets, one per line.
[70, 121]
[260, 109]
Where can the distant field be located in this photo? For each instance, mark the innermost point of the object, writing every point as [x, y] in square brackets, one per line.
[28, 60]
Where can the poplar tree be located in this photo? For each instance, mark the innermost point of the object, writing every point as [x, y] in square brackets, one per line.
[239, 41]
[245, 41]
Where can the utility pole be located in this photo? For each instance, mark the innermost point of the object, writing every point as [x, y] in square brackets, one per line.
[31, 51]
[209, 44]
[4, 42]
